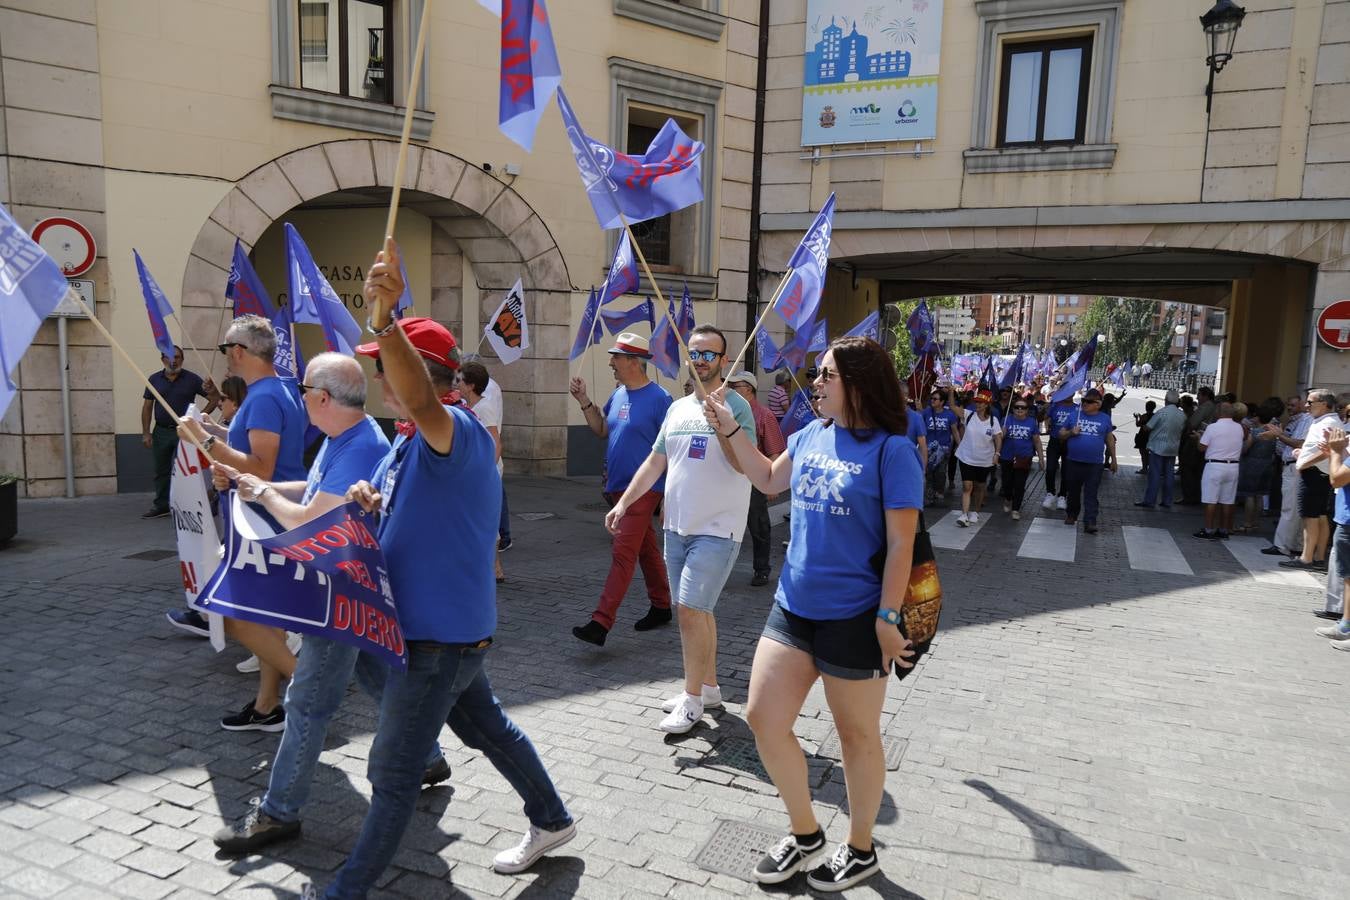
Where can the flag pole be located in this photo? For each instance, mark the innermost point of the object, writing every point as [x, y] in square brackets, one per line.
[182, 326]
[220, 327]
[414, 79]
[760, 323]
[126, 357]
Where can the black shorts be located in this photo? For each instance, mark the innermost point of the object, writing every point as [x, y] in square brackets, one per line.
[977, 474]
[1314, 493]
[844, 648]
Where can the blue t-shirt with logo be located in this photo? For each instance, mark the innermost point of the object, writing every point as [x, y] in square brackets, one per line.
[940, 424]
[1017, 437]
[443, 593]
[1342, 512]
[634, 419]
[1060, 417]
[837, 520]
[346, 459]
[1090, 444]
[273, 404]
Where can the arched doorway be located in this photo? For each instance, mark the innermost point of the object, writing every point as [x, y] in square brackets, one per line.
[482, 237]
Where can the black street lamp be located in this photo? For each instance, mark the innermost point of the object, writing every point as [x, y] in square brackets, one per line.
[1221, 25]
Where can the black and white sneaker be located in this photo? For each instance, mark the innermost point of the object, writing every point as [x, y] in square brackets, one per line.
[789, 857]
[254, 831]
[249, 719]
[189, 620]
[843, 870]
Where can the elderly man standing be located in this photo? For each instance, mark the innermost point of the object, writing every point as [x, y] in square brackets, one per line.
[1288, 540]
[771, 443]
[266, 438]
[1164, 439]
[1314, 490]
[179, 388]
[1222, 443]
[629, 421]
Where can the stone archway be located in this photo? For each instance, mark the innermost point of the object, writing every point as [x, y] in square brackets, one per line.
[473, 213]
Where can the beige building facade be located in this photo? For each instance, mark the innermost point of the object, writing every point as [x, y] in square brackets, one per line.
[176, 126]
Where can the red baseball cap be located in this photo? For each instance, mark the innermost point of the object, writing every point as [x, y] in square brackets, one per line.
[430, 338]
[983, 396]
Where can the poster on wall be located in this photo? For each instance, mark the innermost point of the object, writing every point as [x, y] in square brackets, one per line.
[871, 71]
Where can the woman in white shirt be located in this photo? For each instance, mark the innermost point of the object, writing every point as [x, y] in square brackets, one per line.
[976, 454]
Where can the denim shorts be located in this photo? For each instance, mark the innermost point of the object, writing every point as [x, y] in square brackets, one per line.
[843, 648]
[1342, 546]
[698, 566]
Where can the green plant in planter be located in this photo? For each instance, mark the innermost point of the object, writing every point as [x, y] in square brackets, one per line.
[7, 478]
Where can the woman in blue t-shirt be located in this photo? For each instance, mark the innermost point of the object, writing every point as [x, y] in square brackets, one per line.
[944, 429]
[857, 488]
[1021, 439]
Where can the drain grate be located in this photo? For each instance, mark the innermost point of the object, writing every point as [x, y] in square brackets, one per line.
[738, 756]
[153, 555]
[893, 747]
[735, 848]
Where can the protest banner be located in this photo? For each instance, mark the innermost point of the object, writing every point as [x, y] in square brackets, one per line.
[199, 547]
[327, 577]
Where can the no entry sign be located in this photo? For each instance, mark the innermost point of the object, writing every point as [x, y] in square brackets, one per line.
[68, 242]
[1333, 325]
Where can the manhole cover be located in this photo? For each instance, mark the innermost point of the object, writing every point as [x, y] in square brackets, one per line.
[534, 517]
[153, 555]
[735, 848]
[737, 755]
[893, 747]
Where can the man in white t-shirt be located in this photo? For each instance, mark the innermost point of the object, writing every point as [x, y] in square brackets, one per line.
[1146, 370]
[1314, 490]
[706, 506]
[1222, 443]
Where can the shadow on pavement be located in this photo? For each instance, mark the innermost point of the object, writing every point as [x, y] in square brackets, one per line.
[1055, 844]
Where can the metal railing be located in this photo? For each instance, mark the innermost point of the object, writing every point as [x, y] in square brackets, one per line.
[1168, 379]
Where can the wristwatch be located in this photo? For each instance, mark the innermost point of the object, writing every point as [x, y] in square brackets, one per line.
[889, 616]
[382, 332]
[209, 442]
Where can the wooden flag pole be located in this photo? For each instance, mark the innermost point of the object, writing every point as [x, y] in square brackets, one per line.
[182, 326]
[760, 324]
[220, 330]
[126, 357]
[414, 79]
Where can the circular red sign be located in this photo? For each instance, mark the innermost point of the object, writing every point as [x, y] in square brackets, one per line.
[1333, 325]
[68, 242]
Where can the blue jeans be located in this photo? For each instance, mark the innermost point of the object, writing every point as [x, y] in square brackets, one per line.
[322, 672]
[1161, 470]
[698, 566]
[1082, 480]
[444, 684]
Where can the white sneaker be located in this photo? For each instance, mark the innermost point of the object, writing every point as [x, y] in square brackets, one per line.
[972, 517]
[1048, 502]
[251, 664]
[712, 696]
[1062, 502]
[1007, 507]
[535, 844]
[1017, 515]
[961, 520]
[684, 717]
[1335, 632]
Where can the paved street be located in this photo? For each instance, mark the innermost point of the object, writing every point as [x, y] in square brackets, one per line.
[1085, 727]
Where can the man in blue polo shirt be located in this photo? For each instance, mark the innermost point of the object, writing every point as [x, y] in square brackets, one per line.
[1087, 441]
[629, 421]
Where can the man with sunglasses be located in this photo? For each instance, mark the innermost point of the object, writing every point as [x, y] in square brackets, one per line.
[1087, 441]
[1313, 463]
[707, 504]
[629, 423]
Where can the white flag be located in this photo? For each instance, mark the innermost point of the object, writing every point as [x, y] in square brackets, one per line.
[199, 548]
[507, 331]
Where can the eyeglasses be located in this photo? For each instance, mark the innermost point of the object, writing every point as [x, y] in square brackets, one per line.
[826, 374]
[225, 347]
[306, 388]
[704, 355]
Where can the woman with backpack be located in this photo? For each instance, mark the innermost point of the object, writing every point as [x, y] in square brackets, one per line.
[981, 438]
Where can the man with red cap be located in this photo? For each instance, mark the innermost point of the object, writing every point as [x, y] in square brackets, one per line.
[629, 422]
[444, 474]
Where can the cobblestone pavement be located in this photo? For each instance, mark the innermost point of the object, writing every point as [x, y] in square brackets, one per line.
[1081, 729]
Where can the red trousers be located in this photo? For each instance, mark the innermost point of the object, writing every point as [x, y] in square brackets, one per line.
[634, 544]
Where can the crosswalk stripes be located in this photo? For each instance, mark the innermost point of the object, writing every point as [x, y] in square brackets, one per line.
[1266, 569]
[1049, 539]
[947, 535]
[1154, 550]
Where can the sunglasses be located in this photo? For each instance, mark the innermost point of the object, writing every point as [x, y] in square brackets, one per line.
[1016, 408]
[1090, 400]
[306, 388]
[704, 355]
[826, 374]
[225, 347]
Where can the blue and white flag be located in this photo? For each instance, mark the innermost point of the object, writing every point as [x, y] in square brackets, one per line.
[1078, 366]
[869, 327]
[31, 286]
[1117, 375]
[328, 578]
[405, 301]
[530, 71]
[287, 360]
[800, 298]
[812, 340]
[962, 365]
[665, 347]
[989, 379]
[623, 272]
[1016, 371]
[157, 306]
[617, 320]
[921, 328]
[313, 299]
[245, 289]
[668, 177]
[767, 351]
[799, 414]
[589, 332]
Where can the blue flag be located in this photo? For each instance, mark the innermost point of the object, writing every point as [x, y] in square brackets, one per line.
[623, 273]
[870, 327]
[1117, 375]
[157, 306]
[921, 328]
[287, 360]
[31, 286]
[813, 339]
[686, 317]
[588, 333]
[800, 298]
[989, 380]
[668, 177]
[799, 414]
[530, 71]
[767, 351]
[328, 578]
[617, 320]
[665, 348]
[1016, 370]
[1078, 365]
[313, 299]
[405, 300]
[245, 289]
